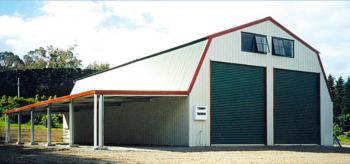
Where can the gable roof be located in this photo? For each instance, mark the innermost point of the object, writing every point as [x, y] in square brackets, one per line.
[197, 57]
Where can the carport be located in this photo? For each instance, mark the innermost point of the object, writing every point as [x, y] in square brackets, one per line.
[71, 104]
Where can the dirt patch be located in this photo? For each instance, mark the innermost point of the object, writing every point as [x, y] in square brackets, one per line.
[59, 154]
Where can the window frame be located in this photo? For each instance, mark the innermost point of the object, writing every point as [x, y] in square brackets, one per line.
[273, 47]
[255, 43]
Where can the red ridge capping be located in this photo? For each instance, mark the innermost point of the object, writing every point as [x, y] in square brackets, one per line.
[199, 65]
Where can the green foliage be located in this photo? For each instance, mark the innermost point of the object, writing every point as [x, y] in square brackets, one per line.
[49, 81]
[337, 130]
[331, 82]
[339, 93]
[344, 138]
[56, 120]
[345, 106]
[10, 61]
[8, 102]
[341, 104]
[344, 121]
[14, 102]
[51, 57]
[98, 66]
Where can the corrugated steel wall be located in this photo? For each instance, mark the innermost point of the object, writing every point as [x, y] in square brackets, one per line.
[162, 121]
[227, 48]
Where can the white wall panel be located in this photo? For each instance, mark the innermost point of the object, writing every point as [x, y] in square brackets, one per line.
[227, 48]
[162, 121]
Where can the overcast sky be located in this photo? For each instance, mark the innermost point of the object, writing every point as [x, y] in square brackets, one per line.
[117, 32]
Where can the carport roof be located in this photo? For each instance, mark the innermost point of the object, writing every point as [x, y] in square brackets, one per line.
[84, 95]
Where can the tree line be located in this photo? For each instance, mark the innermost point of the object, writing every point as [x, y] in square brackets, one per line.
[340, 90]
[44, 71]
[41, 58]
[49, 71]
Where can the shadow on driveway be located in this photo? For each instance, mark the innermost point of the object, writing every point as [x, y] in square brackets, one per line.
[26, 154]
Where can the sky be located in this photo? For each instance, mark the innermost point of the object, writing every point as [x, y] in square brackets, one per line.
[118, 31]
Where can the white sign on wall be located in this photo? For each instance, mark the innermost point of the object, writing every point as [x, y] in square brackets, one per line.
[200, 113]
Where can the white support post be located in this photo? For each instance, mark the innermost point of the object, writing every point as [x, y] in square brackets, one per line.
[8, 131]
[32, 127]
[48, 125]
[101, 123]
[71, 124]
[19, 138]
[95, 121]
[269, 101]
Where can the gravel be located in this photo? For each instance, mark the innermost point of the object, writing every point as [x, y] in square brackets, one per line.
[85, 154]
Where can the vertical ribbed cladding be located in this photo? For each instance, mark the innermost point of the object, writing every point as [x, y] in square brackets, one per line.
[227, 48]
[162, 121]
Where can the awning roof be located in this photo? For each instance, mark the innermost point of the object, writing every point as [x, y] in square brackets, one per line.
[83, 98]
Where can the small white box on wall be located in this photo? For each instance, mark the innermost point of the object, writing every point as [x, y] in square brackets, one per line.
[200, 113]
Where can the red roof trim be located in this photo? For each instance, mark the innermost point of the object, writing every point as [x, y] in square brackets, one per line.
[59, 99]
[199, 66]
[284, 29]
[238, 27]
[135, 92]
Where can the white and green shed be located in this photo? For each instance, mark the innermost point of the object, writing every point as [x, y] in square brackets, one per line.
[254, 84]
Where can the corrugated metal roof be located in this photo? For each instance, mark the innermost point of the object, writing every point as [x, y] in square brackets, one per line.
[170, 71]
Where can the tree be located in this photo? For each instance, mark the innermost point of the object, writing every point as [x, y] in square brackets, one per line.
[98, 66]
[10, 61]
[36, 59]
[339, 93]
[51, 57]
[331, 82]
[346, 98]
[60, 58]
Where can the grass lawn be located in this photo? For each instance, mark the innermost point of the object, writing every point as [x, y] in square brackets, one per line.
[26, 125]
[344, 140]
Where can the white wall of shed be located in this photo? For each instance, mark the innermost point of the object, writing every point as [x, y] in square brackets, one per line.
[162, 121]
[171, 71]
[227, 48]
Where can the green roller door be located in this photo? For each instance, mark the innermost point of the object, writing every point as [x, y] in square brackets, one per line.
[238, 104]
[296, 107]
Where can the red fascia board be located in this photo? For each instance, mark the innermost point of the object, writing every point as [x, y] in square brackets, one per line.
[325, 77]
[139, 92]
[238, 27]
[199, 66]
[46, 102]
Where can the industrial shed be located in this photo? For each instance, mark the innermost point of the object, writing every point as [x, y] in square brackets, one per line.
[254, 84]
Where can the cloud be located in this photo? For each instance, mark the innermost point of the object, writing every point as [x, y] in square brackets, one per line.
[117, 32]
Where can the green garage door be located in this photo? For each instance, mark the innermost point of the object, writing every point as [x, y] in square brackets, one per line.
[238, 104]
[296, 107]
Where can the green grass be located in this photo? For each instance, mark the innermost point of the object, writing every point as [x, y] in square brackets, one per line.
[26, 125]
[344, 140]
